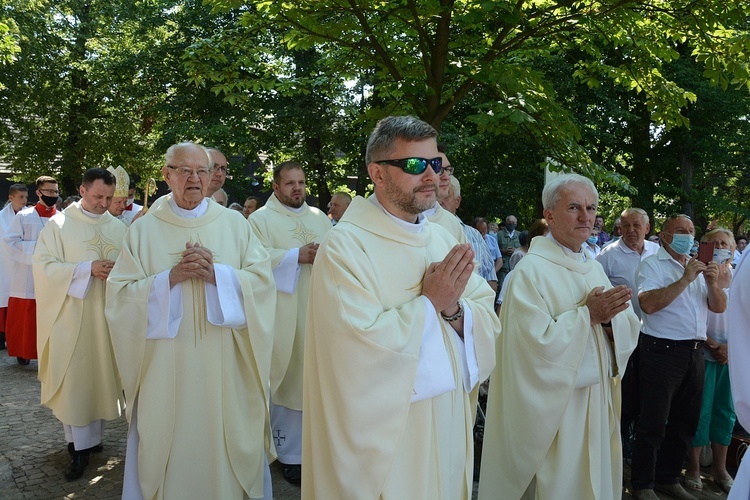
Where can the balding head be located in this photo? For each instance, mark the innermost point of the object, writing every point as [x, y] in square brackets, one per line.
[337, 206]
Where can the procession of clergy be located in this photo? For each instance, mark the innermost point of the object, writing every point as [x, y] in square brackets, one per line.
[352, 354]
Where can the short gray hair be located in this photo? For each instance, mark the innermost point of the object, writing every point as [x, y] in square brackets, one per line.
[635, 211]
[174, 148]
[456, 187]
[551, 192]
[407, 128]
[343, 195]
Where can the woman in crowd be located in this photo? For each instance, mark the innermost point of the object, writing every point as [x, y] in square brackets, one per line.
[717, 411]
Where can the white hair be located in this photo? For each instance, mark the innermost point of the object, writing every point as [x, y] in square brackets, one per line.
[551, 192]
[456, 187]
[636, 211]
[172, 151]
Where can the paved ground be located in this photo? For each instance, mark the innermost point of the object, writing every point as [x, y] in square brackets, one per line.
[33, 452]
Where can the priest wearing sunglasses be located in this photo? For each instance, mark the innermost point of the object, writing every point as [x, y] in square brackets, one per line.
[437, 214]
[400, 331]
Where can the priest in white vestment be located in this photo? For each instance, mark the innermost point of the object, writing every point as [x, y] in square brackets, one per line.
[17, 196]
[400, 332]
[553, 408]
[290, 231]
[739, 368]
[74, 255]
[190, 306]
[437, 213]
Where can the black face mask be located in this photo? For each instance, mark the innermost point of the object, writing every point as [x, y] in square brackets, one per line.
[50, 201]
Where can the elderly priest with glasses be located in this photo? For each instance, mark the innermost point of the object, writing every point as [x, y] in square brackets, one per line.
[190, 306]
[400, 332]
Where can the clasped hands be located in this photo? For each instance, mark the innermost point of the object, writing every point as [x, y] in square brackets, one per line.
[444, 282]
[307, 253]
[101, 268]
[196, 262]
[605, 305]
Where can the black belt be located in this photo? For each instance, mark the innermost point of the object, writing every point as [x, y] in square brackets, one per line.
[690, 344]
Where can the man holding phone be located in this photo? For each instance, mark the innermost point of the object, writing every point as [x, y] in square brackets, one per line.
[675, 294]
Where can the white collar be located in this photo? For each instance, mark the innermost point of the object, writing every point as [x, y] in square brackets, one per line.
[415, 227]
[432, 211]
[579, 256]
[86, 212]
[189, 214]
[295, 210]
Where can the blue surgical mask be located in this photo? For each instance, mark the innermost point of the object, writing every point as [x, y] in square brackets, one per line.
[721, 255]
[682, 243]
[592, 240]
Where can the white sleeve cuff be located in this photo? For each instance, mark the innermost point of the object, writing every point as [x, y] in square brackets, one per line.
[287, 272]
[79, 285]
[469, 363]
[164, 308]
[224, 301]
[434, 369]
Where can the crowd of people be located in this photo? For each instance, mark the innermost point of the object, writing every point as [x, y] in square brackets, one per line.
[352, 346]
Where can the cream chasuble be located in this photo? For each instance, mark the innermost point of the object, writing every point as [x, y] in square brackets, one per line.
[280, 229]
[441, 216]
[539, 424]
[739, 369]
[363, 437]
[201, 396]
[77, 368]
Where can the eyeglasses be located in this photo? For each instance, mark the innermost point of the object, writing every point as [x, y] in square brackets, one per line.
[220, 168]
[447, 170]
[51, 192]
[203, 173]
[415, 165]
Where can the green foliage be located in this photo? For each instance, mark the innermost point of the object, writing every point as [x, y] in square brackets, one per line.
[427, 58]
[629, 93]
[9, 48]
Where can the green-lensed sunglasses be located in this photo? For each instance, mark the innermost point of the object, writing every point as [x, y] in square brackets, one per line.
[415, 165]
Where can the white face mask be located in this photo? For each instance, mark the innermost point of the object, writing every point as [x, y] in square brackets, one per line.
[721, 255]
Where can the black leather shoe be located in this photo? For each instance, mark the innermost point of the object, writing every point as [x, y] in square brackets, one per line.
[292, 473]
[23, 361]
[77, 466]
[94, 449]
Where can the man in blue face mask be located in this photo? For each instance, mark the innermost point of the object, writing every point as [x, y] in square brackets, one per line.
[675, 293]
